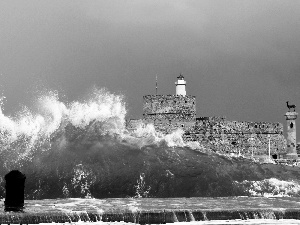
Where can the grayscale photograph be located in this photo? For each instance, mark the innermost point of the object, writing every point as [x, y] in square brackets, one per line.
[149, 112]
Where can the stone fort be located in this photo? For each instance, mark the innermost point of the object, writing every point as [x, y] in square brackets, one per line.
[169, 112]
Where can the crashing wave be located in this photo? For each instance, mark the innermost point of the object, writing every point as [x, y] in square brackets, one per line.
[30, 130]
[53, 122]
[82, 148]
[145, 134]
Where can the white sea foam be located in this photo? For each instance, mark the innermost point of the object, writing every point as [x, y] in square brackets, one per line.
[212, 222]
[146, 134]
[31, 130]
[271, 187]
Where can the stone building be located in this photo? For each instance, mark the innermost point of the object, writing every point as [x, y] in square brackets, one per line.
[170, 112]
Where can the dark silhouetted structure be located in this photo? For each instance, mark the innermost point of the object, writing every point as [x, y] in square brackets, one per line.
[14, 186]
[291, 106]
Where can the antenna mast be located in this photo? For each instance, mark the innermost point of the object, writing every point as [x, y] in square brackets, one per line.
[156, 85]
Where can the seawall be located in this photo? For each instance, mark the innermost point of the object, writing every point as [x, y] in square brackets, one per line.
[153, 210]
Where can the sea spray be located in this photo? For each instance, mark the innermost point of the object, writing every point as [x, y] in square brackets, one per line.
[103, 113]
[29, 131]
[54, 138]
[82, 180]
[271, 187]
[141, 188]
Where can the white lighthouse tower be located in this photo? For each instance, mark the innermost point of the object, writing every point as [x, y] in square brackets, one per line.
[180, 85]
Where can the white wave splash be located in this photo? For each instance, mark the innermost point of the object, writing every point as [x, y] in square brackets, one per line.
[271, 187]
[145, 134]
[32, 129]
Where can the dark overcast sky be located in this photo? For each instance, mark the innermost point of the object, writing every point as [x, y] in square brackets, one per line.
[240, 58]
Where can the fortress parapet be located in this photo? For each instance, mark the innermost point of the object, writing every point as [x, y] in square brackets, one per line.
[211, 118]
[170, 107]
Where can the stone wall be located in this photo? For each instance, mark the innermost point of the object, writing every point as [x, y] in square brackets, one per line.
[233, 136]
[169, 107]
[170, 112]
[221, 125]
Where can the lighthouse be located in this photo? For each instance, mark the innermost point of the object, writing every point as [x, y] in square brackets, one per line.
[180, 86]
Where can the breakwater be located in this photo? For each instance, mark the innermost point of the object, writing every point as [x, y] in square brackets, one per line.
[153, 210]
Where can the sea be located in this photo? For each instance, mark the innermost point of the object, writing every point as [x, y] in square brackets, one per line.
[48, 140]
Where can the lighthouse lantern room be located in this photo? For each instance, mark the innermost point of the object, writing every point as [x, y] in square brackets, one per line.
[180, 85]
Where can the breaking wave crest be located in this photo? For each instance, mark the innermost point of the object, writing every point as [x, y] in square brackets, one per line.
[33, 130]
[53, 124]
